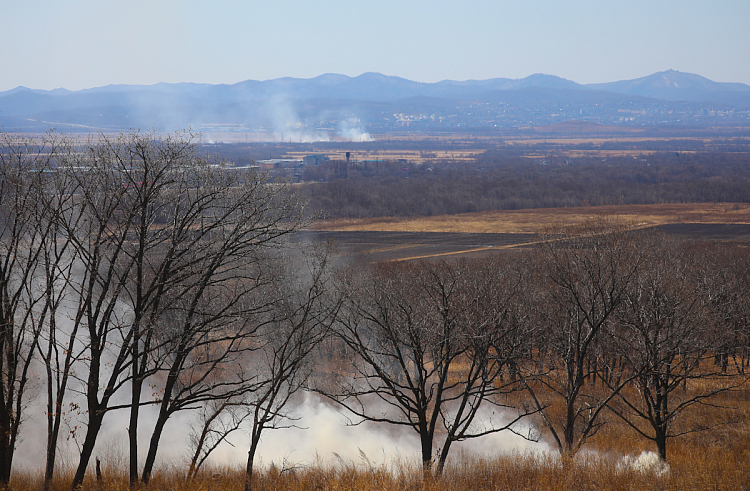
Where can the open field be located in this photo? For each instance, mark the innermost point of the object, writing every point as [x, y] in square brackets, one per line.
[414, 156]
[398, 246]
[427, 148]
[570, 139]
[386, 239]
[534, 220]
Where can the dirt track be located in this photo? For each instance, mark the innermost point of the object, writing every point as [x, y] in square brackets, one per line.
[388, 246]
[399, 246]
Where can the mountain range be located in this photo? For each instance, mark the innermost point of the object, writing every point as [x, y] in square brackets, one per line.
[375, 102]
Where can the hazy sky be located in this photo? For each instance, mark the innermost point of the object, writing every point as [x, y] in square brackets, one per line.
[75, 44]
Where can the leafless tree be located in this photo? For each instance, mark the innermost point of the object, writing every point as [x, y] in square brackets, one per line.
[665, 336]
[25, 235]
[583, 275]
[227, 300]
[430, 342]
[100, 228]
[58, 346]
[285, 363]
[172, 254]
[722, 272]
[218, 419]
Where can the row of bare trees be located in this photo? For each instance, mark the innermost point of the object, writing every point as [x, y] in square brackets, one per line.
[133, 265]
[596, 322]
[135, 272]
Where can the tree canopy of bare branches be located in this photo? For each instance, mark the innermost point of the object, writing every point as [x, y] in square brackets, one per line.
[431, 343]
[172, 250]
[582, 278]
[666, 336]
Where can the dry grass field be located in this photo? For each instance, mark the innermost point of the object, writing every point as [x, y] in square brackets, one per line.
[413, 156]
[534, 220]
[389, 239]
[717, 459]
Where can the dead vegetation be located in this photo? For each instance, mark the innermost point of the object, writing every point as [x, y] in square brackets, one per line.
[717, 459]
[535, 220]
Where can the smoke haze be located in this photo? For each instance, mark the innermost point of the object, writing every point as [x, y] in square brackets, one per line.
[321, 435]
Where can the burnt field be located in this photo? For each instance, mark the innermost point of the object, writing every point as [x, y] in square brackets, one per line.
[710, 232]
[397, 246]
[403, 246]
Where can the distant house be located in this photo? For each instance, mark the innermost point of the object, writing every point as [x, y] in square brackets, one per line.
[315, 159]
[270, 164]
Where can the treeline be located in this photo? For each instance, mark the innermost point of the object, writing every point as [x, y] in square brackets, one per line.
[135, 273]
[595, 322]
[496, 181]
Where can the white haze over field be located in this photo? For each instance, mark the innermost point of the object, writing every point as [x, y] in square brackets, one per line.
[326, 434]
[322, 435]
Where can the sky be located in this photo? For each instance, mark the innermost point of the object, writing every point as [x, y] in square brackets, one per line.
[77, 44]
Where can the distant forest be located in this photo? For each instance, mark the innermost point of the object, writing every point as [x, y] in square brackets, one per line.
[498, 181]
[699, 168]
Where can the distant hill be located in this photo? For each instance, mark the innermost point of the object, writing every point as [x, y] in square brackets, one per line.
[318, 107]
[672, 85]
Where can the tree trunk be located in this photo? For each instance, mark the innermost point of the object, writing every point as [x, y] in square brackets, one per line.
[661, 444]
[249, 467]
[153, 446]
[49, 466]
[443, 457]
[135, 401]
[133, 441]
[426, 456]
[87, 449]
[4, 469]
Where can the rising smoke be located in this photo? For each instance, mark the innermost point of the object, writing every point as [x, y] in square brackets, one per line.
[319, 433]
[287, 125]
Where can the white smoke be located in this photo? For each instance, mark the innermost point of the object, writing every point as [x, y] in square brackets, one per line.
[287, 126]
[351, 130]
[321, 434]
[501, 442]
[646, 463]
[326, 435]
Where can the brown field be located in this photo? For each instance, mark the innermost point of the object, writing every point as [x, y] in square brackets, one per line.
[534, 220]
[432, 147]
[393, 239]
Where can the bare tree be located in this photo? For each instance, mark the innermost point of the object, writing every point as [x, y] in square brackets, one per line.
[582, 278]
[100, 228]
[430, 342]
[282, 364]
[722, 272]
[58, 346]
[285, 363]
[25, 235]
[218, 419]
[665, 338]
[227, 296]
[172, 253]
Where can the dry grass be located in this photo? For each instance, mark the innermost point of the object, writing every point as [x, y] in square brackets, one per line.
[697, 470]
[718, 459]
[534, 220]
